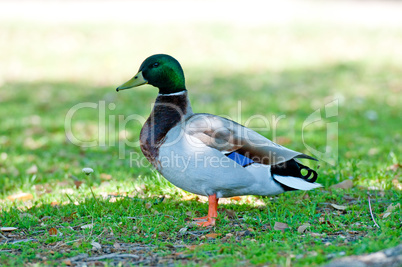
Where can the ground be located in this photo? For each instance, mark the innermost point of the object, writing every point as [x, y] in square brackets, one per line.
[270, 77]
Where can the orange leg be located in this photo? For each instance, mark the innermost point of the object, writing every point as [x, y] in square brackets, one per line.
[212, 212]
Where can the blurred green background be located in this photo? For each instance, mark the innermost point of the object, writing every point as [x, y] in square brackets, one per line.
[278, 59]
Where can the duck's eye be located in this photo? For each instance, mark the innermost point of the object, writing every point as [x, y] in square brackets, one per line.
[156, 64]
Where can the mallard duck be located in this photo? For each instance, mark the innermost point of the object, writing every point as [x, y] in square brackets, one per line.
[206, 154]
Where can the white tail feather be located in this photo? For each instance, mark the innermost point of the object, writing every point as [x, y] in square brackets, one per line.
[296, 183]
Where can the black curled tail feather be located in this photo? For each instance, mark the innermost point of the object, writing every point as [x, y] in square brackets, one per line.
[293, 168]
[310, 172]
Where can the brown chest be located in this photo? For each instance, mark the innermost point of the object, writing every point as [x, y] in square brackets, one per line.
[167, 113]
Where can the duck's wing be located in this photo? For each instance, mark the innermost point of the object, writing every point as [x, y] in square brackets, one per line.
[228, 136]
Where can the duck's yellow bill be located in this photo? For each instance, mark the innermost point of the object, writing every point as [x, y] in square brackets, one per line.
[137, 80]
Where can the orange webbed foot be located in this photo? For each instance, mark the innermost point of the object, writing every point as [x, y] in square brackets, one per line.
[209, 222]
[212, 213]
[201, 218]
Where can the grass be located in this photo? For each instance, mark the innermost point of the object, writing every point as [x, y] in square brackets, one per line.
[273, 71]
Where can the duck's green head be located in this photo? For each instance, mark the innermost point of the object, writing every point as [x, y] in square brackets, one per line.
[162, 71]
